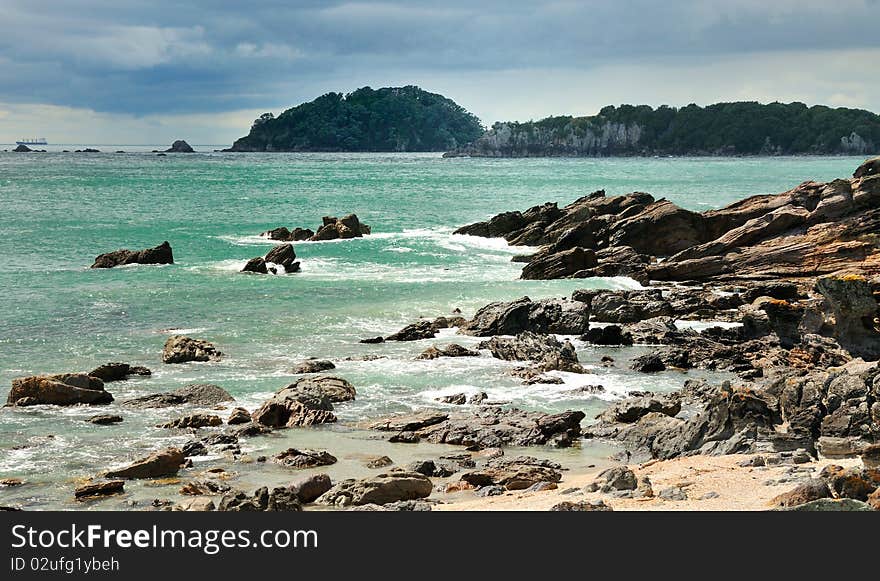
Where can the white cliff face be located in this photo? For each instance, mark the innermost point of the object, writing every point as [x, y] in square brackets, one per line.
[511, 140]
[854, 143]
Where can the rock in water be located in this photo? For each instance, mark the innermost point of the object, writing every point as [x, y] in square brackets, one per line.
[62, 389]
[162, 463]
[203, 394]
[336, 228]
[104, 419]
[560, 265]
[304, 458]
[182, 349]
[180, 146]
[380, 489]
[117, 371]
[314, 366]
[306, 402]
[22, 149]
[548, 316]
[281, 256]
[93, 490]
[161, 254]
[545, 350]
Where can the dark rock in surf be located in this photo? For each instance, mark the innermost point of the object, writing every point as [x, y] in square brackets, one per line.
[161, 254]
[556, 316]
[165, 462]
[202, 394]
[314, 366]
[117, 371]
[180, 146]
[345, 228]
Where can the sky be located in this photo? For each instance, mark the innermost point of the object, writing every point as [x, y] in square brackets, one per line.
[151, 71]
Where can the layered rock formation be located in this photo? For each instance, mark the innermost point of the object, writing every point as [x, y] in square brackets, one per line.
[812, 230]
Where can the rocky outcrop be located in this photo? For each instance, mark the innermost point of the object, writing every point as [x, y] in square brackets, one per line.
[282, 234]
[63, 389]
[548, 353]
[556, 316]
[852, 313]
[279, 499]
[161, 254]
[813, 230]
[200, 394]
[117, 371]
[182, 349]
[165, 462]
[306, 402]
[381, 489]
[486, 427]
[280, 260]
[180, 146]
[837, 483]
[335, 228]
[517, 473]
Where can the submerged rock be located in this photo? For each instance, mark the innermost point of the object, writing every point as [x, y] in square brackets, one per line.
[63, 389]
[451, 350]
[203, 394]
[182, 349]
[161, 254]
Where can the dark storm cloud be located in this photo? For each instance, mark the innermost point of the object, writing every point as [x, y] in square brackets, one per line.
[165, 56]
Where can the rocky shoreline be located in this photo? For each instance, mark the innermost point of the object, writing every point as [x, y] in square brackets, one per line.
[787, 285]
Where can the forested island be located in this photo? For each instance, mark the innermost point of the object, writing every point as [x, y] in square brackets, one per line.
[742, 128]
[387, 119]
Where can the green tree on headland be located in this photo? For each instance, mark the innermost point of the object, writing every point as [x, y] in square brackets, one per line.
[388, 119]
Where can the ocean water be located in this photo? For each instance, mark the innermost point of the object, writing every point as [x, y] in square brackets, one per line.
[58, 211]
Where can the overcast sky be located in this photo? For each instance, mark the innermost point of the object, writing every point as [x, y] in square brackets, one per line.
[150, 71]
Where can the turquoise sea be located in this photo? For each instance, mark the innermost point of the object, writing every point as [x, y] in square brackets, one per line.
[59, 210]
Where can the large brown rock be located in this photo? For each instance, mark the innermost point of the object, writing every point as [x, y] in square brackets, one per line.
[853, 310]
[306, 402]
[380, 489]
[165, 462]
[562, 264]
[161, 254]
[62, 389]
[556, 316]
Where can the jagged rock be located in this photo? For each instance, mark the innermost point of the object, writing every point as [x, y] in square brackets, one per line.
[452, 350]
[194, 421]
[372, 340]
[104, 419]
[305, 458]
[381, 489]
[414, 332]
[182, 349]
[117, 371]
[633, 409]
[95, 489]
[561, 264]
[617, 478]
[545, 350]
[161, 254]
[202, 394]
[486, 427]
[278, 500]
[22, 149]
[194, 448]
[610, 335]
[455, 399]
[558, 316]
[624, 306]
[335, 228]
[61, 389]
[204, 487]
[180, 146]
[870, 168]
[650, 363]
[379, 462]
[673, 493]
[162, 463]
[256, 265]
[853, 312]
[313, 366]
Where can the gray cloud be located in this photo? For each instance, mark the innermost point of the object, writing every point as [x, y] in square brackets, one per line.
[171, 57]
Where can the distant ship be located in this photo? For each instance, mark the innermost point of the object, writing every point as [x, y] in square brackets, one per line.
[33, 141]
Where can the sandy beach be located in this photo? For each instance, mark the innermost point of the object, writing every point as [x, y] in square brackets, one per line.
[737, 488]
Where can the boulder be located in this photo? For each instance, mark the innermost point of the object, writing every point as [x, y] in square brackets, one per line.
[304, 458]
[161, 254]
[62, 389]
[415, 332]
[556, 316]
[313, 366]
[517, 473]
[310, 488]
[582, 506]
[617, 478]
[546, 350]
[280, 260]
[381, 489]
[22, 149]
[610, 335]
[238, 416]
[280, 499]
[633, 409]
[451, 350]
[162, 463]
[870, 168]
[117, 371]
[182, 349]
[624, 306]
[180, 146]
[853, 310]
[305, 402]
[650, 363]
